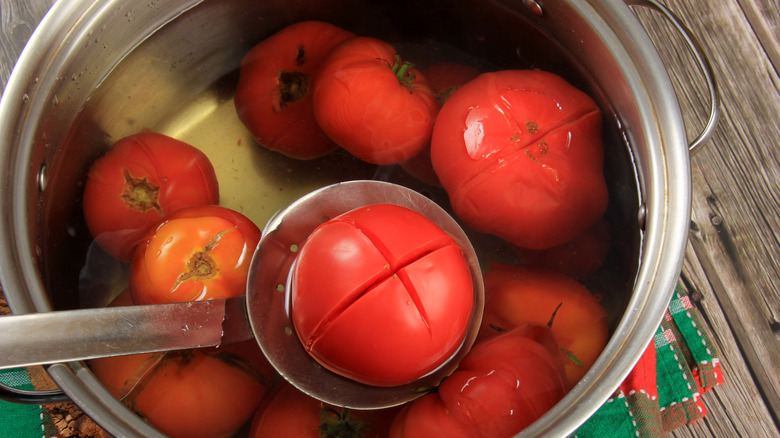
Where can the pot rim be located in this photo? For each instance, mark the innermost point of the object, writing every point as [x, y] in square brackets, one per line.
[666, 195]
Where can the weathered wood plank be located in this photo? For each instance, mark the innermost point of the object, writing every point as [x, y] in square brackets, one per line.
[735, 408]
[17, 22]
[764, 17]
[734, 251]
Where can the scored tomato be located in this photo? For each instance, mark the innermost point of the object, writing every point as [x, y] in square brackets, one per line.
[381, 295]
[273, 95]
[289, 413]
[207, 393]
[443, 79]
[500, 387]
[515, 295]
[372, 103]
[197, 253]
[519, 152]
[142, 178]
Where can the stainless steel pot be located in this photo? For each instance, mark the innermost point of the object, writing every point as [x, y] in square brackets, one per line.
[94, 72]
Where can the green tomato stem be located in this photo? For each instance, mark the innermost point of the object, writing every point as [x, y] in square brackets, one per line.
[401, 70]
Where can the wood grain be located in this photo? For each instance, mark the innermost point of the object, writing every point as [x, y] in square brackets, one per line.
[732, 258]
[764, 17]
[18, 20]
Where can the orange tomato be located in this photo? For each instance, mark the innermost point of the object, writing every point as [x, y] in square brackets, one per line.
[515, 295]
[198, 253]
[208, 392]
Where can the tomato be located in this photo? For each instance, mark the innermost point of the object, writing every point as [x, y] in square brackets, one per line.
[501, 386]
[519, 153]
[289, 413]
[515, 295]
[198, 253]
[273, 95]
[371, 103]
[381, 295]
[139, 180]
[446, 77]
[443, 79]
[577, 258]
[207, 392]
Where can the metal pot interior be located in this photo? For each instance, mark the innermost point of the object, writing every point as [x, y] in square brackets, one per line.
[123, 67]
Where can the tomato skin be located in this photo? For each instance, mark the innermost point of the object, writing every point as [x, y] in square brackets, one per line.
[181, 175]
[515, 295]
[443, 79]
[205, 393]
[519, 153]
[577, 258]
[289, 413]
[273, 94]
[364, 107]
[195, 254]
[381, 295]
[502, 385]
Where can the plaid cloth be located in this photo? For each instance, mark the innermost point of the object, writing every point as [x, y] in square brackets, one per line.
[662, 392]
[19, 420]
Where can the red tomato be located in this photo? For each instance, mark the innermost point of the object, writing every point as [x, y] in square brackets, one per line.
[577, 258]
[199, 253]
[289, 413]
[515, 295]
[501, 386]
[273, 95]
[381, 295]
[190, 393]
[446, 77]
[142, 178]
[443, 79]
[519, 153]
[373, 104]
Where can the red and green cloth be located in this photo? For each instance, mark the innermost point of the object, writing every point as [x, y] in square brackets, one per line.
[662, 392]
[19, 420]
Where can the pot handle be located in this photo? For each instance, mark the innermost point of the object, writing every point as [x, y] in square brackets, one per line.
[23, 396]
[704, 66]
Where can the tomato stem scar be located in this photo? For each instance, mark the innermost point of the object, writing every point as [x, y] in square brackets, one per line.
[335, 424]
[201, 266]
[139, 193]
[292, 86]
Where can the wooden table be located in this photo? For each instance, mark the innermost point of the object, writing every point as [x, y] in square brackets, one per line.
[732, 263]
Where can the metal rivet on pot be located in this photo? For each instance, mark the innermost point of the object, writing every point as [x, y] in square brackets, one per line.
[641, 216]
[533, 6]
[42, 179]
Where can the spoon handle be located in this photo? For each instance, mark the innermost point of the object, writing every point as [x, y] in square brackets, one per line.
[70, 335]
